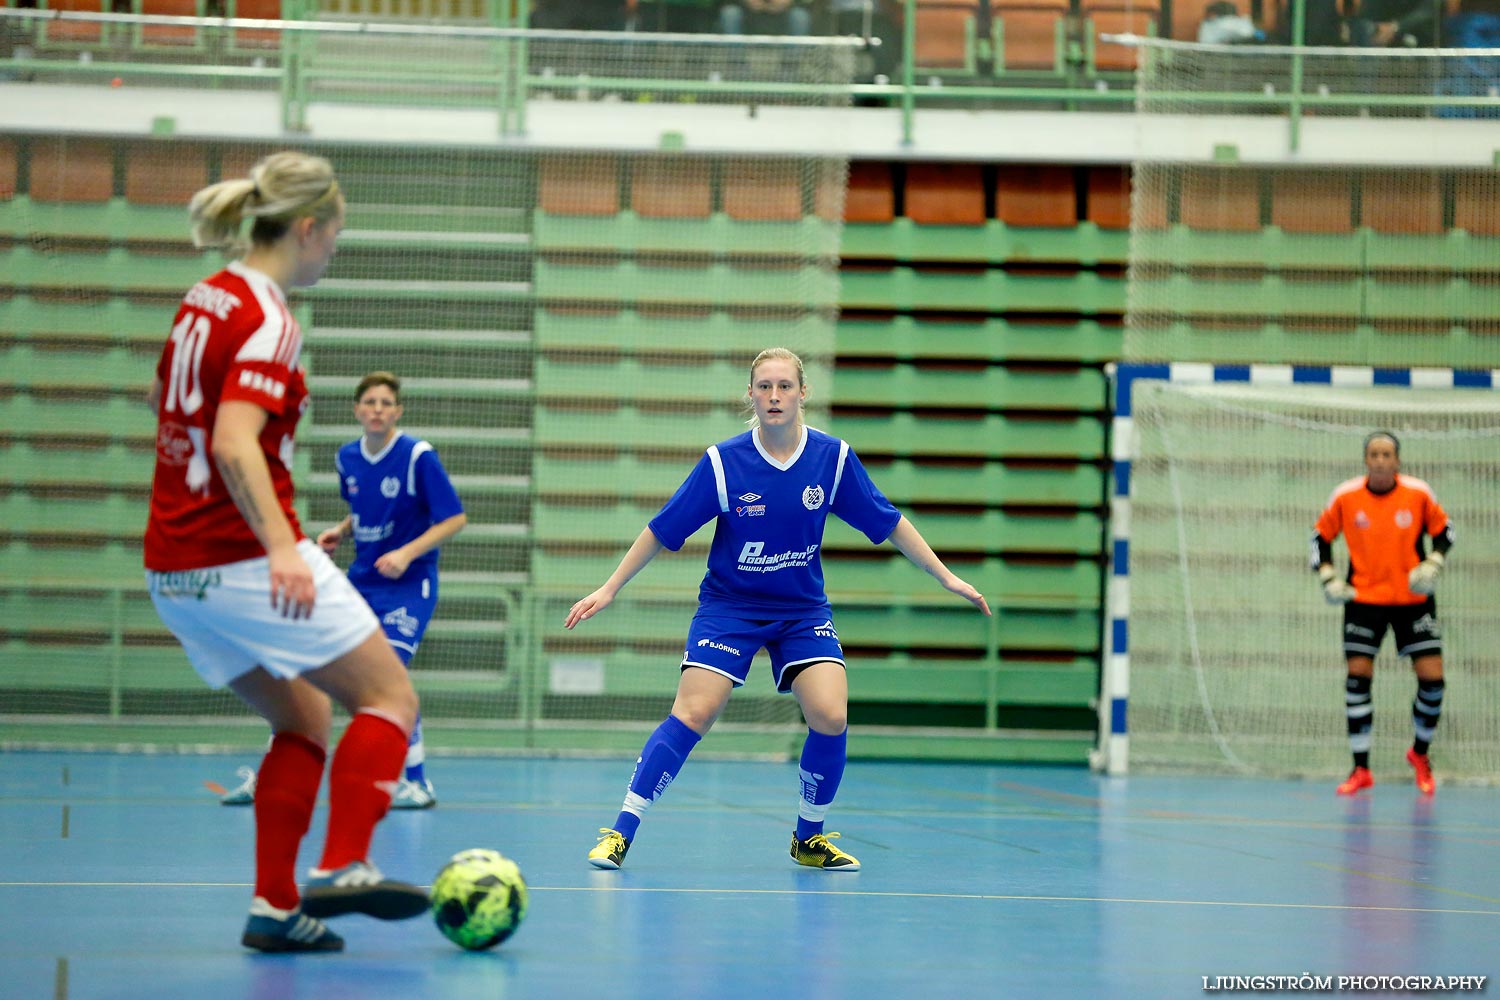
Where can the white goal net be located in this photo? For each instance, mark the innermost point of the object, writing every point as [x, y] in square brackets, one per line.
[1236, 663]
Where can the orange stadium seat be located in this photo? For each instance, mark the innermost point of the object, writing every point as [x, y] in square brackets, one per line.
[164, 174]
[1036, 195]
[256, 38]
[1118, 17]
[73, 32]
[763, 192]
[1187, 15]
[7, 168]
[576, 185]
[872, 195]
[1108, 198]
[662, 188]
[945, 194]
[1312, 201]
[1405, 202]
[72, 170]
[944, 29]
[236, 161]
[1476, 203]
[1029, 32]
[169, 35]
[1220, 199]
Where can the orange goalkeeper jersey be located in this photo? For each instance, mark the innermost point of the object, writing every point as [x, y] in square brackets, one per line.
[1384, 534]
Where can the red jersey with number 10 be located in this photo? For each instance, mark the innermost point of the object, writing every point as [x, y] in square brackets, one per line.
[233, 339]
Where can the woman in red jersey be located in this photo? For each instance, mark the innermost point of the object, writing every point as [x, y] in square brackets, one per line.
[257, 606]
[1385, 519]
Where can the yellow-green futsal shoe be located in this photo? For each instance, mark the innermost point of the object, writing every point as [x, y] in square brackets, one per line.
[817, 852]
[609, 853]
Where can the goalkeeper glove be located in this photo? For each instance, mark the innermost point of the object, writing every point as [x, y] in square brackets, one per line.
[1336, 590]
[1423, 576]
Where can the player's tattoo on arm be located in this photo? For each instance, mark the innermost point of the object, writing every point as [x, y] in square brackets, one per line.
[239, 489]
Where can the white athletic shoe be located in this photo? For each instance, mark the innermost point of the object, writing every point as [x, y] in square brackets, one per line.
[244, 795]
[413, 795]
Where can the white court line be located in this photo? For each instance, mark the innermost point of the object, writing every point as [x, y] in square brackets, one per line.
[982, 897]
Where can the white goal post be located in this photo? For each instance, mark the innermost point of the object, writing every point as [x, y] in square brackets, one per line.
[1219, 654]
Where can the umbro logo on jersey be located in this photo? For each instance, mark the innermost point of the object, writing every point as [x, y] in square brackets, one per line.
[750, 497]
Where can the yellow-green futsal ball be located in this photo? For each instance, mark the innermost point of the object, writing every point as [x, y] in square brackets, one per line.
[479, 898]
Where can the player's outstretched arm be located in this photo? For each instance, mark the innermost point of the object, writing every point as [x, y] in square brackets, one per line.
[912, 545]
[644, 549]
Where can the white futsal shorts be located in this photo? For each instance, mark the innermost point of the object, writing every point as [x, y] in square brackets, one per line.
[223, 617]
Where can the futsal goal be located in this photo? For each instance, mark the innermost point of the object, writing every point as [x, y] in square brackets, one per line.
[1222, 654]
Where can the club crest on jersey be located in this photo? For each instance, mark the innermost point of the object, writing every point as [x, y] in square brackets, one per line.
[812, 497]
[1403, 518]
[389, 487]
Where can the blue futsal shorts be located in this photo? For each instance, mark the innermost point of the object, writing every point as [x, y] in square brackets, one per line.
[727, 645]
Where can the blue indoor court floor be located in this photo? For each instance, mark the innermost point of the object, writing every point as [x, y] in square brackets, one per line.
[122, 877]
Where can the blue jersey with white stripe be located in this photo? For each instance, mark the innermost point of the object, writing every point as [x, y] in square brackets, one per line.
[765, 561]
[393, 497]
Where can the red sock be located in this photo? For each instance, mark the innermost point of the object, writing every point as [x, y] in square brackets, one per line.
[286, 790]
[365, 768]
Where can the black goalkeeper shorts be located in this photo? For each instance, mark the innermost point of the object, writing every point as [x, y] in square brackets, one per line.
[1416, 627]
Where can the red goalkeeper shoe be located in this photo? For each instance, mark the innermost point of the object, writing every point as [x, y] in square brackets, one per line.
[1358, 778]
[1421, 771]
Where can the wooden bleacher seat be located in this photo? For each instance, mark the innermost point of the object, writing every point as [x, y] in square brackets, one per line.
[945, 194]
[169, 36]
[235, 161]
[1036, 195]
[1029, 33]
[79, 170]
[671, 188]
[1408, 202]
[945, 35]
[72, 33]
[165, 174]
[1187, 15]
[1476, 204]
[1312, 201]
[871, 196]
[255, 39]
[8, 168]
[1107, 201]
[1116, 17]
[579, 185]
[1220, 199]
[927, 385]
[763, 191]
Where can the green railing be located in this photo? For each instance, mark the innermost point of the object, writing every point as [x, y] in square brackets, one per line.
[502, 78]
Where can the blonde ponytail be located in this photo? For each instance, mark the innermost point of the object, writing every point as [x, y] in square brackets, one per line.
[281, 188]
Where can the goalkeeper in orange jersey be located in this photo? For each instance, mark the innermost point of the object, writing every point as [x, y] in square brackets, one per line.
[1385, 519]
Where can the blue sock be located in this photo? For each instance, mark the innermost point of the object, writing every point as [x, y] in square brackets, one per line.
[821, 769]
[660, 760]
[416, 754]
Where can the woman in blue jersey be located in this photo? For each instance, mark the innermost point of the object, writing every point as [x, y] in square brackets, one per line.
[770, 491]
[402, 507]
